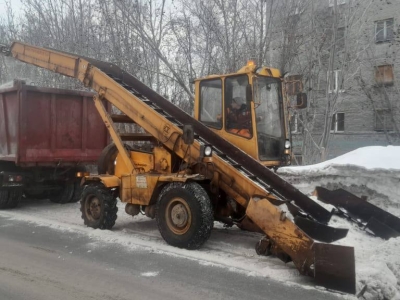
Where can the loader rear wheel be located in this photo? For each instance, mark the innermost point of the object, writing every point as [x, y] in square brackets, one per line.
[98, 206]
[184, 215]
[9, 198]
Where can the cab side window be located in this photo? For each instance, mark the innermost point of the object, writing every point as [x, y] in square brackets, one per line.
[237, 111]
[211, 103]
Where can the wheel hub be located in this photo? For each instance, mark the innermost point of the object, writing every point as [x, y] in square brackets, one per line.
[178, 216]
[94, 209]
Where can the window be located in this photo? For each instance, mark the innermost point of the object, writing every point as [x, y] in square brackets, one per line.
[383, 120]
[339, 2]
[237, 111]
[294, 85]
[211, 103]
[297, 159]
[269, 117]
[340, 38]
[384, 31]
[384, 74]
[293, 124]
[337, 122]
[296, 123]
[335, 82]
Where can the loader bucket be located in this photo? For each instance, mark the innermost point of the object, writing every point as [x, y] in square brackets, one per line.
[334, 267]
[314, 229]
[320, 232]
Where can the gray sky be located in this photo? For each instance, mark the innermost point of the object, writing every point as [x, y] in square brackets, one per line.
[16, 5]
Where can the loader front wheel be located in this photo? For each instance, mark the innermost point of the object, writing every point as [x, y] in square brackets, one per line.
[98, 206]
[184, 215]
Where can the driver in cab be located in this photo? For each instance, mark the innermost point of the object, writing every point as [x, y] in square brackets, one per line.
[238, 118]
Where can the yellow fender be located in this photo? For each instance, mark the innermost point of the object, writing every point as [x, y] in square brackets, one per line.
[109, 181]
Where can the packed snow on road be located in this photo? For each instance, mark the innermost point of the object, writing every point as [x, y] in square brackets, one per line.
[370, 171]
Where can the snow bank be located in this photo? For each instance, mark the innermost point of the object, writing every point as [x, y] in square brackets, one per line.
[380, 271]
[370, 158]
[374, 172]
[10, 84]
[370, 171]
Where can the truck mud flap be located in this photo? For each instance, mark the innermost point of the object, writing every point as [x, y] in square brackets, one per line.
[320, 232]
[376, 219]
[334, 267]
[314, 229]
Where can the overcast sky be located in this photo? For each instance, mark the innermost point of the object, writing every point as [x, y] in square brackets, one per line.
[16, 5]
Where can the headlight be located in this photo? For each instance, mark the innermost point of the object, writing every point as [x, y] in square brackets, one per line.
[207, 151]
[287, 144]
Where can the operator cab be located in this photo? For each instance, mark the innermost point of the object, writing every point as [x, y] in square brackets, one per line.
[247, 109]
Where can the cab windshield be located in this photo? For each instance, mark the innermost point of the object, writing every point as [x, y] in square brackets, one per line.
[269, 115]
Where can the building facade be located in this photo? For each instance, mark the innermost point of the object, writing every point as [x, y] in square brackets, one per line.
[344, 52]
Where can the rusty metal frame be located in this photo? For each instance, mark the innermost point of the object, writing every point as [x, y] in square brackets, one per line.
[114, 134]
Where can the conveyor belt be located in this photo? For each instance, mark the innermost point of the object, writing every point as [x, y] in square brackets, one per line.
[255, 171]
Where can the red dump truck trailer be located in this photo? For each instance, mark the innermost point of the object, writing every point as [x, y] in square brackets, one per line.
[47, 136]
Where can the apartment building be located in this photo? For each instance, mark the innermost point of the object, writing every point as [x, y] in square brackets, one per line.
[346, 58]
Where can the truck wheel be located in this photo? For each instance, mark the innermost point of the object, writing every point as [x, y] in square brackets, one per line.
[98, 206]
[184, 215]
[65, 195]
[78, 189]
[105, 164]
[41, 195]
[9, 198]
[106, 161]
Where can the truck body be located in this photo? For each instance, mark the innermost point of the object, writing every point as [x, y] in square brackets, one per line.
[46, 136]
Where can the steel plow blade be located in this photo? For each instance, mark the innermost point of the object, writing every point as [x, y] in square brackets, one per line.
[380, 222]
[315, 229]
[334, 267]
[320, 231]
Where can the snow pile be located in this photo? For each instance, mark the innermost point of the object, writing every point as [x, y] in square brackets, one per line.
[377, 262]
[7, 85]
[381, 271]
[11, 84]
[370, 158]
[371, 171]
